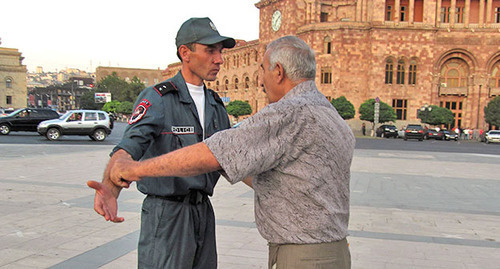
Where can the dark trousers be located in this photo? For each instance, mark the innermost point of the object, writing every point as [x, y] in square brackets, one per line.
[177, 234]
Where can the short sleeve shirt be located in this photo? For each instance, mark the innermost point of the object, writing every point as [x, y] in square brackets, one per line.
[299, 151]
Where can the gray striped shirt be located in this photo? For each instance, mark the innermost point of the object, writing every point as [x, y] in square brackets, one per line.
[299, 150]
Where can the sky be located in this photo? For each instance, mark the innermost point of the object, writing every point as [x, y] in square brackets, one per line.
[60, 34]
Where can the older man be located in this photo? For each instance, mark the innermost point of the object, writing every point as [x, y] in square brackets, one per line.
[298, 150]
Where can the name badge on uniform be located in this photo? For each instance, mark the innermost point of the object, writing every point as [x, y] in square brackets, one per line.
[183, 129]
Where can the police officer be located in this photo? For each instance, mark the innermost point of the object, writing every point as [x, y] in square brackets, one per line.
[177, 221]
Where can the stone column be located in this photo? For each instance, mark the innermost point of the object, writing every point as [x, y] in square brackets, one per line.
[467, 13]
[489, 7]
[397, 10]
[481, 13]
[438, 13]
[411, 10]
[453, 12]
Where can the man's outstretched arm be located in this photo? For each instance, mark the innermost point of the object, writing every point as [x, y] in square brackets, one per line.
[188, 161]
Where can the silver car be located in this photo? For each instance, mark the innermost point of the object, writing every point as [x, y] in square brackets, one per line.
[492, 136]
[94, 123]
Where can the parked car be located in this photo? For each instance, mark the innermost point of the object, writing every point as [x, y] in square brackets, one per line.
[5, 111]
[94, 123]
[414, 131]
[449, 135]
[492, 136]
[25, 119]
[387, 131]
[434, 134]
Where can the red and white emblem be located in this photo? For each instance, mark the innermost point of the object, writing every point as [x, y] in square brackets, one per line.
[139, 111]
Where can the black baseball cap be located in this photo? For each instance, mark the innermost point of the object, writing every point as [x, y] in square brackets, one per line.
[201, 31]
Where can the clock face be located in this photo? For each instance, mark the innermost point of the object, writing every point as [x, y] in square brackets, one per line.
[276, 21]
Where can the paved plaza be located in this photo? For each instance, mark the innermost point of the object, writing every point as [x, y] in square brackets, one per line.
[408, 210]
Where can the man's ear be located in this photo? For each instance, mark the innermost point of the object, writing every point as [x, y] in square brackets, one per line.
[184, 53]
[280, 72]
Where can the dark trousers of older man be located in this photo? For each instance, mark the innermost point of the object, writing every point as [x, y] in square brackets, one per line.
[333, 255]
[177, 234]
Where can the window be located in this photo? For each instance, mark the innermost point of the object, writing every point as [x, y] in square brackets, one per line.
[326, 75]
[8, 83]
[389, 71]
[495, 76]
[327, 45]
[102, 116]
[217, 85]
[90, 116]
[400, 106]
[400, 77]
[403, 17]
[323, 17]
[226, 84]
[412, 73]
[236, 81]
[247, 82]
[8, 100]
[454, 74]
[388, 13]
[459, 15]
[497, 15]
[445, 14]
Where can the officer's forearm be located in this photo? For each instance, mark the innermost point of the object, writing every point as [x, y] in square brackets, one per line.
[189, 161]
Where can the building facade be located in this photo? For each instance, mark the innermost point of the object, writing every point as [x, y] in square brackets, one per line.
[147, 76]
[13, 85]
[408, 53]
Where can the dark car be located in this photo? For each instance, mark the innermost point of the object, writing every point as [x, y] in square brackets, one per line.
[447, 135]
[414, 131]
[387, 131]
[25, 119]
[434, 134]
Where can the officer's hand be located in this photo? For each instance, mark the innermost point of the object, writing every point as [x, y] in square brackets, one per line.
[105, 201]
[122, 173]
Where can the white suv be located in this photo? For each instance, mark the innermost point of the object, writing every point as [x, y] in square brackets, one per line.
[94, 123]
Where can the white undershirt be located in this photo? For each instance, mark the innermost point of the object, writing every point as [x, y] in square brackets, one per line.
[198, 96]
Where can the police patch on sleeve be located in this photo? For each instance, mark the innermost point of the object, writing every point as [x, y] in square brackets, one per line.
[139, 111]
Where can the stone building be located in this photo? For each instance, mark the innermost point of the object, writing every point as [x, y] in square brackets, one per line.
[13, 85]
[409, 53]
[148, 76]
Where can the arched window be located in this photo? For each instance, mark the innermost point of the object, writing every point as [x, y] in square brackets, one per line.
[412, 73]
[217, 85]
[400, 77]
[389, 73]
[236, 81]
[495, 76]
[247, 82]
[327, 45]
[226, 84]
[8, 83]
[454, 74]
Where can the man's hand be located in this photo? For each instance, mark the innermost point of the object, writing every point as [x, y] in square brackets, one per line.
[123, 172]
[105, 201]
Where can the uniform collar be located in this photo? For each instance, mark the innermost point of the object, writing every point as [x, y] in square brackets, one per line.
[184, 95]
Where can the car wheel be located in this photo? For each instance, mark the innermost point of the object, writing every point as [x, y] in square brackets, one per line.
[53, 134]
[92, 137]
[4, 129]
[406, 138]
[99, 135]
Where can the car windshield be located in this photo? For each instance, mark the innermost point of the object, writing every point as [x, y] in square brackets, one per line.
[495, 132]
[16, 112]
[66, 115]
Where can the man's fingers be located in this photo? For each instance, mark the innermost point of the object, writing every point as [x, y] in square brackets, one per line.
[94, 185]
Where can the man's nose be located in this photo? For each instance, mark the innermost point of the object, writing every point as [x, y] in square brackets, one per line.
[218, 58]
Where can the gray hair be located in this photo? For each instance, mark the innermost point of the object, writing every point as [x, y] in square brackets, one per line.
[297, 58]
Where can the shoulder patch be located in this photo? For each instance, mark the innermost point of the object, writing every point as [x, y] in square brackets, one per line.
[216, 96]
[165, 87]
[139, 111]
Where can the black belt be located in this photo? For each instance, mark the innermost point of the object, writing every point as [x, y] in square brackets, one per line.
[193, 197]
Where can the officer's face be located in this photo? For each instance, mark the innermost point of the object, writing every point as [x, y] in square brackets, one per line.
[205, 60]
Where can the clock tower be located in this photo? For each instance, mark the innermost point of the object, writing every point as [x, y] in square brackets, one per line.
[280, 18]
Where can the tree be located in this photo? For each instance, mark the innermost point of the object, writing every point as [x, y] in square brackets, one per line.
[111, 107]
[125, 107]
[119, 88]
[87, 101]
[135, 87]
[238, 108]
[386, 112]
[344, 107]
[435, 115]
[492, 112]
